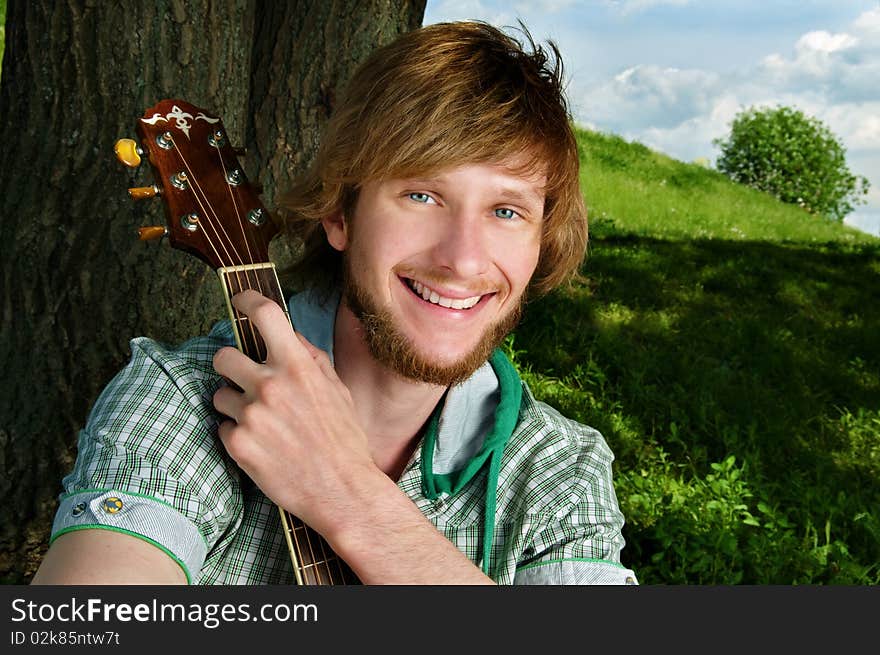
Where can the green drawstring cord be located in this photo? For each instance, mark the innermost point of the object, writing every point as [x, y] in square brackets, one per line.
[491, 497]
[506, 417]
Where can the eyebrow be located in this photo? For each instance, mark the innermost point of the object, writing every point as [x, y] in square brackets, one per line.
[534, 194]
[516, 194]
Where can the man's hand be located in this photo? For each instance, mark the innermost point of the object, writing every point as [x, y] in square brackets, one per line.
[293, 430]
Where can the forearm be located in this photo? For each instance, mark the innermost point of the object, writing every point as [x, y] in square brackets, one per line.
[387, 540]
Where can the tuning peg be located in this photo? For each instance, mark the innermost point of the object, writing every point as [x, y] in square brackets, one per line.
[141, 192]
[128, 152]
[152, 232]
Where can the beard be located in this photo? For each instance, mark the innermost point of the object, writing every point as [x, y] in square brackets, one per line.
[391, 348]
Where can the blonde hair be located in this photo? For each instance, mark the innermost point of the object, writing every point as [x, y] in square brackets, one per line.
[437, 97]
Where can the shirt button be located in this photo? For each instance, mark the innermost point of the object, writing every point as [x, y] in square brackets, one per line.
[112, 505]
[78, 509]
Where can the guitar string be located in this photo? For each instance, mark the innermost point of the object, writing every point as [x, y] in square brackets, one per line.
[250, 257]
[196, 191]
[196, 188]
[316, 568]
[327, 560]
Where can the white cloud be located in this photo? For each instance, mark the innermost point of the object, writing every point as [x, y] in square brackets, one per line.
[650, 96]
[692, 138]
[857, 124]
[868, 21]
[824, 42]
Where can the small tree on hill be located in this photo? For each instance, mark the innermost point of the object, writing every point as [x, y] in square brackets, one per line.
[794, 157]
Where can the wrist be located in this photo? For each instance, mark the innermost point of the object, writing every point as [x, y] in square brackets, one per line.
[378, 509]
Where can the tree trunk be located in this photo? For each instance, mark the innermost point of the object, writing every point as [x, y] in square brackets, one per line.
[77, 284]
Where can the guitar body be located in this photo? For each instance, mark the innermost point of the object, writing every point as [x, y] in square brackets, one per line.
[215, 214]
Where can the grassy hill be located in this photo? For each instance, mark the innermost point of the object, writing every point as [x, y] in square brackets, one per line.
[728, 347]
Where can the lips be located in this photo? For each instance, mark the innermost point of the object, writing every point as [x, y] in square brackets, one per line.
[434, 297]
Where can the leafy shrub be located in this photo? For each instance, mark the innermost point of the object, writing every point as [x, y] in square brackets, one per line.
[794, 157]
[687, 529]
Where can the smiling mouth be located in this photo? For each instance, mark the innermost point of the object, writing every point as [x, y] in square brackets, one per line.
[429, 295]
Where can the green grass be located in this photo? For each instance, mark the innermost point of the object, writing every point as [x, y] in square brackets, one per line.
[635, 191]
[729, 352]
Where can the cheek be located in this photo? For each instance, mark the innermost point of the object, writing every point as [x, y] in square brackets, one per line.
[372, 260]
[522, 262]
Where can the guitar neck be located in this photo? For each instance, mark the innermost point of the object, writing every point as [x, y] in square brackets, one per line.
[262, 278]
[314, 562]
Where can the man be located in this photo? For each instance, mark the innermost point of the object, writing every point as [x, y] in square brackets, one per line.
[445, 191]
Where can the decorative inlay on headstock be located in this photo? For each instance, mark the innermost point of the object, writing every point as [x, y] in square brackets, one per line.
[182, 119]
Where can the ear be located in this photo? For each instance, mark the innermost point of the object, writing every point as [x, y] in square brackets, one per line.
[336, 228]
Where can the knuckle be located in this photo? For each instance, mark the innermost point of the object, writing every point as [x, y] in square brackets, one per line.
[221, 356]
[265, 311]
[250, 414]
[238, 446]
[269, 389]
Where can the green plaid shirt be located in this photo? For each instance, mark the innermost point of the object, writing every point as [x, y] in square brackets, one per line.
[150, 465]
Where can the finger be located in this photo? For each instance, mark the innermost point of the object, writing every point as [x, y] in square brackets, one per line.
[236, 443]
[320, 357]
[229, 402]
[272, 323]
[239, 369]
[314, 352]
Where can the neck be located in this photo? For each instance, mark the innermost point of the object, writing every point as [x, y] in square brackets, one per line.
[392, 409]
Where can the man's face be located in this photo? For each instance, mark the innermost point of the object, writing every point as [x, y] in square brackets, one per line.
[436, 266]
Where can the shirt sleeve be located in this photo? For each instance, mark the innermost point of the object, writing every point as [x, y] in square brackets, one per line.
[575, 537]
[149, 463]
[579, 549]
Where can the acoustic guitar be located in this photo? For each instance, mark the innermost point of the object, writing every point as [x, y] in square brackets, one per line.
[215, 214]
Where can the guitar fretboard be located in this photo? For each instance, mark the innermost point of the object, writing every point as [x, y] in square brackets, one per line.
[314, 562]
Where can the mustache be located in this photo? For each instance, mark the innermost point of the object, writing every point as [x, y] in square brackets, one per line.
[442, 278]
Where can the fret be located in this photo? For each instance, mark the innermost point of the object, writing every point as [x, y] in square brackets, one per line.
[341, 573]
[314, 562]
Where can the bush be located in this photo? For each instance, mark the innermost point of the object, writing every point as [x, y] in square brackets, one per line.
[794, 157]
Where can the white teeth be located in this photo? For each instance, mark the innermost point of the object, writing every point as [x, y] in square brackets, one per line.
[433, 297]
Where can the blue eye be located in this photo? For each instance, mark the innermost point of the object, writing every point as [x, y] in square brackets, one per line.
[420, 197]
[505, 213]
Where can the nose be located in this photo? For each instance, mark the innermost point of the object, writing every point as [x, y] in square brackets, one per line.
[463, 245]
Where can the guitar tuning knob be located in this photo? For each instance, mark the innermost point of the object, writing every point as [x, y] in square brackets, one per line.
[152, 232]
[141, 192]
[128, 152]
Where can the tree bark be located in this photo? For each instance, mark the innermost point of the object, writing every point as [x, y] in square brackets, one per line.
[77, 285]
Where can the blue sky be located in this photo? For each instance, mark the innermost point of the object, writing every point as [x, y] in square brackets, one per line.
[673, 73]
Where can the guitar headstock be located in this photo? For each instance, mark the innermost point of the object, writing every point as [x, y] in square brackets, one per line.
[212, 211]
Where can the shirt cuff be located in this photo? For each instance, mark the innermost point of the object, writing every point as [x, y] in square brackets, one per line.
[148, 518]
[575, 572]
